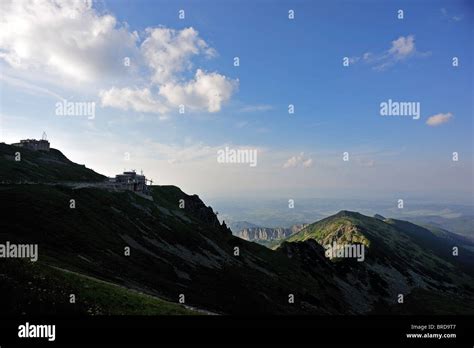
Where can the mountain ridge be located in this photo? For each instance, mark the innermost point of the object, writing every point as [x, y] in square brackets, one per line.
[400, 257]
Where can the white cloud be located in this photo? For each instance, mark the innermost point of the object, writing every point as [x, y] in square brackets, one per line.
[140, 100]
[401, 49]
[308, 163]
[70, 43]
[205, 91]
[295, 161]
[292, 162]
[67, 39]
[438, 119]
[168, 51]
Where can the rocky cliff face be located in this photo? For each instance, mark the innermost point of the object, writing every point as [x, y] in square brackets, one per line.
[206, 214]
[267, 233]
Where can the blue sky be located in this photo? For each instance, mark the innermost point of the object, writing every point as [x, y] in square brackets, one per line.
[282, 62]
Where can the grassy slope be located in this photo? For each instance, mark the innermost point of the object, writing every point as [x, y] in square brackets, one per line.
[400, 258]
[343, 227]
[40, 166]
[29, 288]
[390, 240]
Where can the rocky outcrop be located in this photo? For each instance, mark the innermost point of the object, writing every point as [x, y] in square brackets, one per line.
[267, 233]
[196, 207]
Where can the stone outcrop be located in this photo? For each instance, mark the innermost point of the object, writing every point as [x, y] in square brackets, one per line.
[268, 233]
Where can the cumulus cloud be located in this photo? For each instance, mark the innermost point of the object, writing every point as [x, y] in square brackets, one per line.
[67, 39]
[70, 41]
[168, 51]
[205, 91]
[402, 47]
[438, 119]
[141, 100]
[298, 160]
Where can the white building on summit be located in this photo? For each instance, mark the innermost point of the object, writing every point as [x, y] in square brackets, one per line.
[33, 144]
[131, 181]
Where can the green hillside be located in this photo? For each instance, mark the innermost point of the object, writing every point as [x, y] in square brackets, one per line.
[400, 258]
[29, 288]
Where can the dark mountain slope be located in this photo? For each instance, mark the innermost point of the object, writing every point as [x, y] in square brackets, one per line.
[462, 225]
[173, 251]
[399, 258]
[441, 243]
[41, 166]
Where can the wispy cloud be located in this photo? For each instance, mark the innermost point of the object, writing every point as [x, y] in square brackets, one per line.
[308, 163]
[241, 124]
[29, 87]
[439, 119]
[450, 17]
[401, 49]
[298, 160]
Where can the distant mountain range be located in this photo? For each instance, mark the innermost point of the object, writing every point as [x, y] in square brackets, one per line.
[237, 226]
[463, 225]
[274, 212]
[185, 253]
